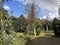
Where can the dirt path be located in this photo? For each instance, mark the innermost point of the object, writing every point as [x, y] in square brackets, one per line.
[45, 41]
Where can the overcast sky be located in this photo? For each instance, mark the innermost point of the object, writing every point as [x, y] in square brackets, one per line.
[44, 7]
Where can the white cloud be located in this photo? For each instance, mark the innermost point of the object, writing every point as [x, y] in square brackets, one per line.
[51, 5]
[44, 17]
[21, 0]
[54, 15]
[6, 7]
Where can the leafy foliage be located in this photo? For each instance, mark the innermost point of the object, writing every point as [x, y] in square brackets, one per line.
[3, 14]
[56, 23]
[6, 39]
[19, 24]
[56, 26]
[6, 35]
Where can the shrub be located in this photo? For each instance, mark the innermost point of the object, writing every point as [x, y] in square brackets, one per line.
[6, 39]
[27, 38]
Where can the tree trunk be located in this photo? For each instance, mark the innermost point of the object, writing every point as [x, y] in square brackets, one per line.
[0, 4]
[47, 27]
[35, 32]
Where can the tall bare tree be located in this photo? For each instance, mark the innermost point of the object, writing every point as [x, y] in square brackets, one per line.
[31, 16]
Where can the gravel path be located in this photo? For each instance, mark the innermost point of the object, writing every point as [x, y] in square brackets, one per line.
[45, 41]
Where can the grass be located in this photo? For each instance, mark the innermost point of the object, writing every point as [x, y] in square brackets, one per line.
[42, 34]
[19, 40]
[20, 37]
[19, 34]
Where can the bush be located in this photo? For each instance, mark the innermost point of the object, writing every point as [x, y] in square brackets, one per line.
[6, 39]
[27, 38]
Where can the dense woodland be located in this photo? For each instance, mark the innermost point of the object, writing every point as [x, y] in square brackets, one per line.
[21, 24]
